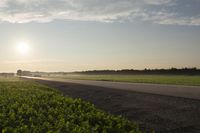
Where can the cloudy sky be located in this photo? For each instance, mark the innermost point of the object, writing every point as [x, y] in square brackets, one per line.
[68, 35]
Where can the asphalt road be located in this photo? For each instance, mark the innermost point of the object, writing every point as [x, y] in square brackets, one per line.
[192, 92]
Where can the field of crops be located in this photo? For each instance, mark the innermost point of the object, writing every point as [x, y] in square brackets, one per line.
[30, 107]
[154, 79]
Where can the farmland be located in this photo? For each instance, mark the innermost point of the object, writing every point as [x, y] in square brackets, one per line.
[31, 107]
[152, 79]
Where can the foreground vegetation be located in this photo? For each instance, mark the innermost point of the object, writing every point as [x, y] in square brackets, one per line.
[31, 107]
[154, 79]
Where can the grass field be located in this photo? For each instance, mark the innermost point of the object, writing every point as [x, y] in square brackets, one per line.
[30, 107]
[154, 79]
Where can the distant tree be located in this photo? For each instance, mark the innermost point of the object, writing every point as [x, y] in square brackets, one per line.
[26, 73]
[19, 72]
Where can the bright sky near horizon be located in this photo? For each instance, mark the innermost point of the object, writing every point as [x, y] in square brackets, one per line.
[65, 35]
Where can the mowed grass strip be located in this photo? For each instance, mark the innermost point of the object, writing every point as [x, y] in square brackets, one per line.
[152, 79]
[30, 107]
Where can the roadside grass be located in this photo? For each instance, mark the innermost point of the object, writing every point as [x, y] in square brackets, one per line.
[152, 79]
[26, 106]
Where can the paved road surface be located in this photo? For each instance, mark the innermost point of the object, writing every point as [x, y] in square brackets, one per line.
[192, 92]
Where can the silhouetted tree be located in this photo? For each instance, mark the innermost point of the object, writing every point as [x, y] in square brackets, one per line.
[19, 72]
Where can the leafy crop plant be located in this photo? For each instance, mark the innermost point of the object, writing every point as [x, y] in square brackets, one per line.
[28, 107]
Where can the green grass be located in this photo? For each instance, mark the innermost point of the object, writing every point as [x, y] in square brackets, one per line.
[30, 107]
[153, 79]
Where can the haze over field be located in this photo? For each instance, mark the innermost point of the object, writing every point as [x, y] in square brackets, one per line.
[64, 35]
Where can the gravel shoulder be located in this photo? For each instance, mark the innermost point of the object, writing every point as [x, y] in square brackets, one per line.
[164, 114]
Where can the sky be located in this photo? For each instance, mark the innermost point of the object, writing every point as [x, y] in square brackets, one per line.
[76, 35]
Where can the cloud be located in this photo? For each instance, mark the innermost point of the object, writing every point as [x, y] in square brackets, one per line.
[166, 18]
[22, 11]
[156, 11]
[158, 2]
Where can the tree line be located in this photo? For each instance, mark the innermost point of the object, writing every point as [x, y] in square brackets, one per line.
[171, 71]
[7, 74]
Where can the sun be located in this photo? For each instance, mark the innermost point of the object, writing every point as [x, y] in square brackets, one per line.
[23, 48]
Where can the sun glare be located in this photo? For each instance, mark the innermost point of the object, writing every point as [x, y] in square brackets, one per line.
[23, 48]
